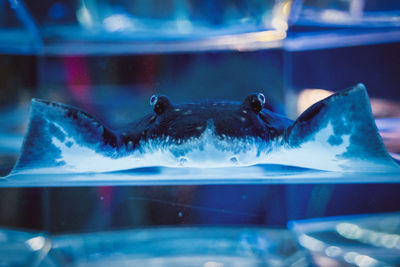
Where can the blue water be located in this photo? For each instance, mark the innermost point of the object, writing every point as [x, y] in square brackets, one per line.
[259, 174]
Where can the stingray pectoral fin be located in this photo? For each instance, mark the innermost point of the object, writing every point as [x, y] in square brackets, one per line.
[57, 133]
[339, 133]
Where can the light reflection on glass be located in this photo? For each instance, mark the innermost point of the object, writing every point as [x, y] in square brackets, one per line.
[280, 15]
[307, 97]
[360, 260]
[36, 243]
[356, 7]
[279, 24]
[349, 12]
[333, 251]
[349, 230]
[311, 243]
[378, 238]
[380, 107]
[179, 18]
[332, 15]
[117, 23]
[375, 238]
[350, 257]
[84, 17]
[240, 40]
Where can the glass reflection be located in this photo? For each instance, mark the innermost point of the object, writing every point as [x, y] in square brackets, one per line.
[363, 240]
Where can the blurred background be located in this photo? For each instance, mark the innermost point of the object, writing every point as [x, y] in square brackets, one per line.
[109, 56]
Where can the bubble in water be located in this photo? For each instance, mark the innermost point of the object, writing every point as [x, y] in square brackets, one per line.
[234, 160]
[182, 161]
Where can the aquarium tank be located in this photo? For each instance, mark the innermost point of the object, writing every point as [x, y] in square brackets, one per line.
[110, 58]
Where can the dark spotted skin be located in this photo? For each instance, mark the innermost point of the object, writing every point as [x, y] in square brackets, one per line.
[183, 121]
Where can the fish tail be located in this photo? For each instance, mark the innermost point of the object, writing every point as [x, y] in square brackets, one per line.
[343, 127]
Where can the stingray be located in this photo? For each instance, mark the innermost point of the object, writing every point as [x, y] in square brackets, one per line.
[335, 134]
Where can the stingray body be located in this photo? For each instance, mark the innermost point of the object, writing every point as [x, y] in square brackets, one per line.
[335, 134]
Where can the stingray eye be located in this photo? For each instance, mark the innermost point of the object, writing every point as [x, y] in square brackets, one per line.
[261, 98]
[160, 103]
[255, 102]
[153, 100]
